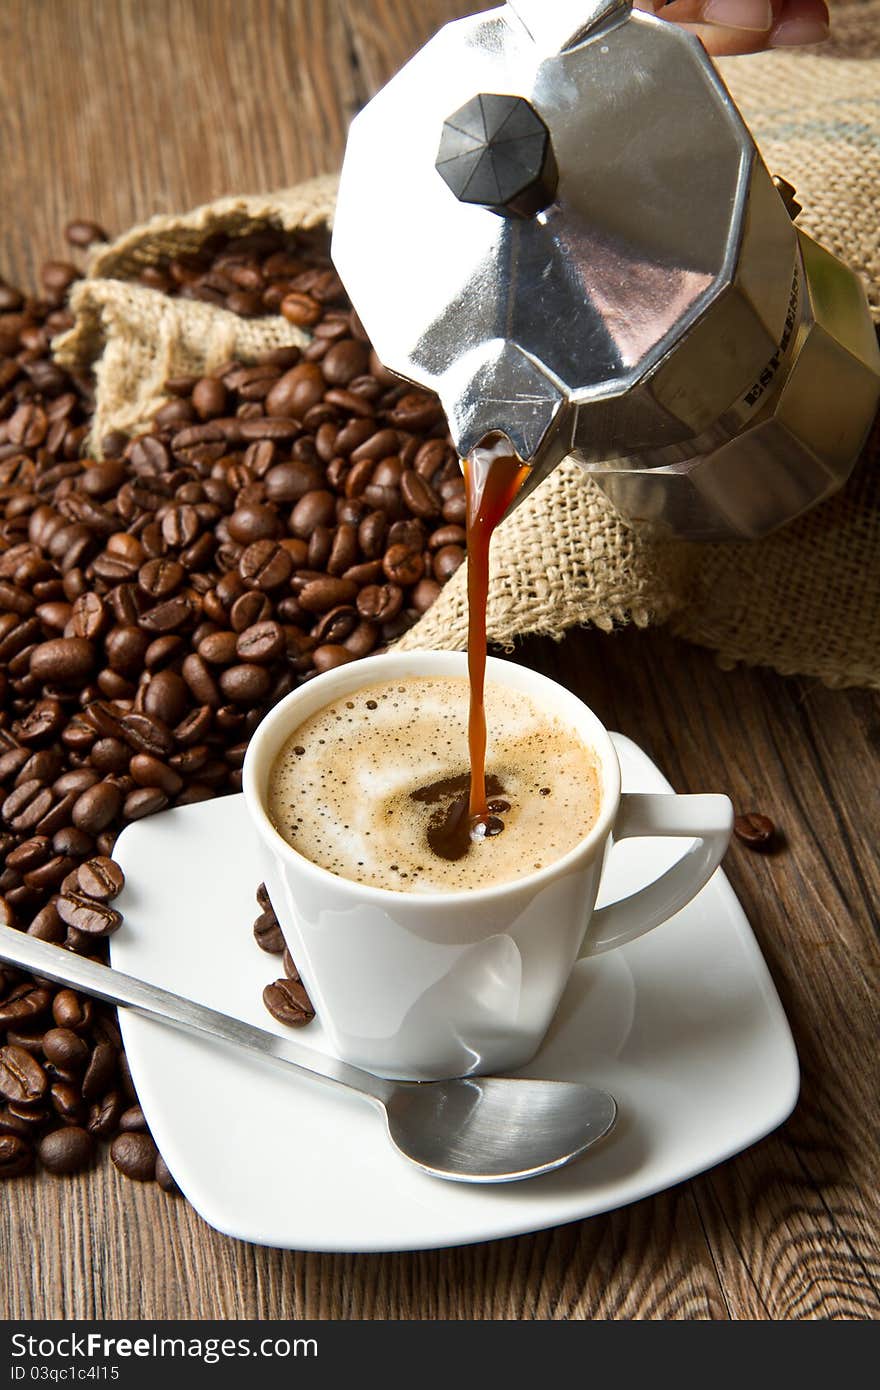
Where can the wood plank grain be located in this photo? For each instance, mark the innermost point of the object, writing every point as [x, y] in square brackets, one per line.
[806, 756]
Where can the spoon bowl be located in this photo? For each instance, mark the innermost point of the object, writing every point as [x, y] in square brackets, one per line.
[496, 1128]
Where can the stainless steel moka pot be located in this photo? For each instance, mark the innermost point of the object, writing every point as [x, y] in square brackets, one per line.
[555, 217]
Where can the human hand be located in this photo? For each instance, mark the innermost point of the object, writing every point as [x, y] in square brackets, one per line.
[745, 26]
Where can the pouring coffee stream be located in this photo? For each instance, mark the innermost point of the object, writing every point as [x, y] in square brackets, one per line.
[472, 807]
[493, 478]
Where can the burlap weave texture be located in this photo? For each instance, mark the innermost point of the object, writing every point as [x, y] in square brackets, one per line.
[806, 600]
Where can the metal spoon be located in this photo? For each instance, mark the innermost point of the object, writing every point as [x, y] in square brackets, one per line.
[473, 1129]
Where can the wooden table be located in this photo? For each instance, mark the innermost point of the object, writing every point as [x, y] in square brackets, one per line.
[115, 109]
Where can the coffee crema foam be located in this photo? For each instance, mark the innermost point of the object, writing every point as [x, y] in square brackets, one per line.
[341, 791]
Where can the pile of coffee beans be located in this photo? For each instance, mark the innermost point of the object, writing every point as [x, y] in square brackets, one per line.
[66, 1087]
[268, 271]
[279, 519]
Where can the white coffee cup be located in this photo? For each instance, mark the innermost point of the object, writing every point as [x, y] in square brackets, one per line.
[420, 986]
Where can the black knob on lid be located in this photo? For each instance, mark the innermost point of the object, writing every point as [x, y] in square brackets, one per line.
[496, 151]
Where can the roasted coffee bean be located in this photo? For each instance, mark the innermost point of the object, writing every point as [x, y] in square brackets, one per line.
[163, 651]
[315, 508]
[345, 360]
[86, 914]
[95, 808]
[71, 841]
[380, 602]
[167, 616]
[248, 609]
[289, 966]
[419, 496]
[320, 595]
[267, 933]
[245, 683]
[194, 727]
[132, 1121]
[335, 626]
[46, 925]
[64, 1048]
[164, 1176]
[67, 1102]
[70, 1011]
[100, 1071]
[146, 801]
[58, 276]
[26, 805]
[135, 1156]
[83, 233]
[260, 642]
[446, 561]
[403, 565]
[424, 595]
[218, 648]
[67, 1150]
[62, 660]
[77, 780]
[16, 1156]
[288, 1002]
[362, 640]
[330, 655]
[27, 1001]
[49, 875]
[89, 617]
[125, 647]
[166, 698]
[102, 878]
[147, 733]
[253, 523]
[150, 772]
[11, 763]
[32, 1115]
[45, 765]
[160, 577]
[103, 1117]
[755, 830]
[371, 534]
[265, 565]
[209, 397]
[31, 1042]
[447, 535]
[41, 723]
[29, 854]
[22, 1080]
[455, 509]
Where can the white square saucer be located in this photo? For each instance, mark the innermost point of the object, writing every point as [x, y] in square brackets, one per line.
[684, 1027]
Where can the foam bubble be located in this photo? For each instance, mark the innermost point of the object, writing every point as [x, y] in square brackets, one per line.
[340, 790]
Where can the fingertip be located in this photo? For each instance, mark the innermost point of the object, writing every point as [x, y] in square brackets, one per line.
[726, 43]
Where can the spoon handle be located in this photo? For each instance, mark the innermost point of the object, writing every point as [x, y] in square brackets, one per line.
[101, 981]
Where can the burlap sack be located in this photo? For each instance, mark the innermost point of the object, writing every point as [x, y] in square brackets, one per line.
[805, 601]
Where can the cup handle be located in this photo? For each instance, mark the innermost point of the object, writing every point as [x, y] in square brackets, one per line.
[706, 818]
